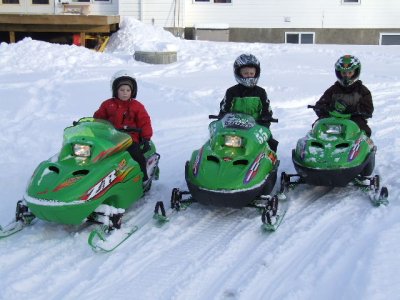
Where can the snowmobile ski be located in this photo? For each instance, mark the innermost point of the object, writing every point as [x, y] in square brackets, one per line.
[377, 195]
[177, 203]
[369, 185]
[11, 228]
[381, 198]
[273, 212]
[273, 226]
[102, 239]
[23, 218]
[160, 214]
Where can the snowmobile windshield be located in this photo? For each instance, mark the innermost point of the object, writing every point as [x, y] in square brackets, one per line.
[238, 121]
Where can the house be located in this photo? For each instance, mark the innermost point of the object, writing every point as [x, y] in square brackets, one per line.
[278, 21]
[369, 22]
[65, 21]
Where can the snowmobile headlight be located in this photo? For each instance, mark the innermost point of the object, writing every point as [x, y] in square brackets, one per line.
[334, 129]
[82, 150]
[233, 141]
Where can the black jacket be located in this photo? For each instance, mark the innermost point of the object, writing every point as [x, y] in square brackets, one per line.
[358, 101]
[357, 98]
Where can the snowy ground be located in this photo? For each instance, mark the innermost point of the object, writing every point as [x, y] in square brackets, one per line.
[332, 244]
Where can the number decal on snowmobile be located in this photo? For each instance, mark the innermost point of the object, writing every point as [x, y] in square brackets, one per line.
[262, 136]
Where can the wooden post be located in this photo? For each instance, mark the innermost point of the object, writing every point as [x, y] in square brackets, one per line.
[83, 39]
[12, 36]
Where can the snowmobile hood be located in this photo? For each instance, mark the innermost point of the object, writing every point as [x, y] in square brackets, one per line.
[333, 144]
[236, 157]
[209, 171]
[66, 182]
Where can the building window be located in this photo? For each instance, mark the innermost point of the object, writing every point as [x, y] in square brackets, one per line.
[389, 39]
[213, 1]
[351, 1]
[40, 1]
[299, 37]
[10, 1]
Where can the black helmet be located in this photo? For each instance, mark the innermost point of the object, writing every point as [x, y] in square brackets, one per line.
[246, 60]
[347, 63]
[123, 77]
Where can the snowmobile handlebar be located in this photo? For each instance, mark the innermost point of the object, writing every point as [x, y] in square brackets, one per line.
[130, 129]
[124, 129]
[353, 114]
[267, 120]
[261, 121]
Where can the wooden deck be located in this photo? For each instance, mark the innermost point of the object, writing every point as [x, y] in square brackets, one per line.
[82, 24]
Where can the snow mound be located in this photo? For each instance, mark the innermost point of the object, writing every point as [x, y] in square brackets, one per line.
[134, 35]
[47, 56]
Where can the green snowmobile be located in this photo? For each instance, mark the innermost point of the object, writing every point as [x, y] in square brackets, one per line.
[93, 178]
[234, 168]
[336, 153]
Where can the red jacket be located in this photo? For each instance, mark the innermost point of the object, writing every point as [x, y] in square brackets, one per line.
[129, 113]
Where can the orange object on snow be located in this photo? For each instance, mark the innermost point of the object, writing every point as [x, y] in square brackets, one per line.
[76, 39]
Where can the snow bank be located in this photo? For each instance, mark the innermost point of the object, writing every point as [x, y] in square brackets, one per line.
[133, 36]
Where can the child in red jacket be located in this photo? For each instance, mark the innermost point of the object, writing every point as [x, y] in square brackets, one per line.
[124, 111]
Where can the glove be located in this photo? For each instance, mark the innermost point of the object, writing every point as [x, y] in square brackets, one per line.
[264, 121]
[221, 115]
[321, 111]
[145, 145]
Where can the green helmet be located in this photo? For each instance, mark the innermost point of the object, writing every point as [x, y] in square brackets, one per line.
[347, 63]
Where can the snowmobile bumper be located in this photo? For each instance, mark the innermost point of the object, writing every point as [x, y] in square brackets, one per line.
[338, 177]
[64, 213]
[231, 198]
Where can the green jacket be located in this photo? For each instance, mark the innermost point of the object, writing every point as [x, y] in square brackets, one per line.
[251, 101]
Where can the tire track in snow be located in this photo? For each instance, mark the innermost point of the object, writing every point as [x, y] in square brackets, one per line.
[193, 239]
[240, 251]
[326, 226]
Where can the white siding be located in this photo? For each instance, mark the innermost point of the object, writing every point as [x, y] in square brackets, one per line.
[368, 14]
[165, 13]
[243, 13]
[295, 13]
[26, 6]
[109, 9]
[56, 7]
